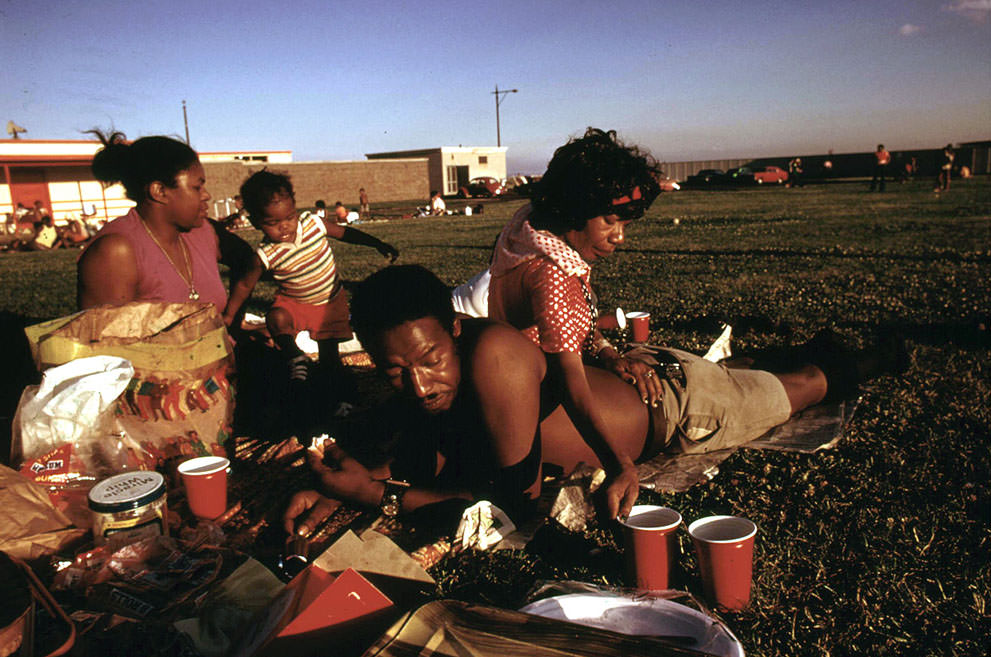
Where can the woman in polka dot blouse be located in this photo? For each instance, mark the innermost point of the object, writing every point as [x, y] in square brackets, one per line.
[593, 188]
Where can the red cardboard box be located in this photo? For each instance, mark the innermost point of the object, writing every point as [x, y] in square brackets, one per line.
[319, 613]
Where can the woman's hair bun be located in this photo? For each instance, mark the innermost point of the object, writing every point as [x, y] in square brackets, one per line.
[110, 163]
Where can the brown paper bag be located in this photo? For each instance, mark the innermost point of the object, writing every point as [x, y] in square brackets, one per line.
[30, 526]
[180, 402]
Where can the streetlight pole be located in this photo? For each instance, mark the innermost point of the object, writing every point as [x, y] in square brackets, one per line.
[185, 121]
[499, 95]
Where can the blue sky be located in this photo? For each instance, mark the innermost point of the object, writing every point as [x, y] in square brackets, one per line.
[335, 80]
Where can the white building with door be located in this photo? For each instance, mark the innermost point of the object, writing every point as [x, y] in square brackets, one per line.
[451, 167]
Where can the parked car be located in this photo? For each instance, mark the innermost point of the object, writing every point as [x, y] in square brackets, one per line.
[484, 186]
[706, 178]
[740, 176]
[770, 174]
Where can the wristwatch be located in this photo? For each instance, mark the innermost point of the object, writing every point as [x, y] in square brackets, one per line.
[392, 497]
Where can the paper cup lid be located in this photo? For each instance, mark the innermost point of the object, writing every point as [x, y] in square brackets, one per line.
[126, 491]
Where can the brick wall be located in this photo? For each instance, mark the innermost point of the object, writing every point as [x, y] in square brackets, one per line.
[384, 180]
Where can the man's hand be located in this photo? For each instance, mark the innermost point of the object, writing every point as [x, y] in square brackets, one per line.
[638, 374]
[343, 477]
[388, 251]
[306, 511]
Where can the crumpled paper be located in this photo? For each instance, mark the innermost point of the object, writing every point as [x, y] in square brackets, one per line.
[30, 525]
[573, 506]
[720, 348]
[482, 526]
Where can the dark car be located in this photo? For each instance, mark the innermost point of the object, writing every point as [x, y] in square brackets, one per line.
[483, 187]
[740, 176]
[706, 178]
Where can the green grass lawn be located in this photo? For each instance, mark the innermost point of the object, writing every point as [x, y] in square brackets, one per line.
[877, 547]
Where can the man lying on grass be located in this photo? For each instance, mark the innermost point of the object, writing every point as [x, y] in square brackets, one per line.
[479, 412]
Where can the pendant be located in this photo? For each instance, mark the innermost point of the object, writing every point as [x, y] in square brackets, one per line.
[194, 295]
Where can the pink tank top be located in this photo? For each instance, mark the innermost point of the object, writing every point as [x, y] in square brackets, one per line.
[158, 280]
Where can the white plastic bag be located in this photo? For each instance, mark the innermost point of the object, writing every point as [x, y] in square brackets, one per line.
[69, 418]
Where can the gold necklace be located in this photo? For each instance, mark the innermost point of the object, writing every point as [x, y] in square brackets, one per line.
[193, 294]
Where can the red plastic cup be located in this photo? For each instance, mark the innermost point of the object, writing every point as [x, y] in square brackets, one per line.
[725, 549]
[640, 323]
[651, 545]
[205, 479]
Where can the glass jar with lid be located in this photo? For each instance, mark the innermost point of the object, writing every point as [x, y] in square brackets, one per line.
[128, 507]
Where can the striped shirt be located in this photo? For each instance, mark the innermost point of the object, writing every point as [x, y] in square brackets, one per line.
[304, 268]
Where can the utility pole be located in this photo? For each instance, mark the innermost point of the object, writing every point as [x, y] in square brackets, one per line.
[185, 121]
[499, 95]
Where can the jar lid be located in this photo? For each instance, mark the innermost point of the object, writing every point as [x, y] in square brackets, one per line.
[126, 491]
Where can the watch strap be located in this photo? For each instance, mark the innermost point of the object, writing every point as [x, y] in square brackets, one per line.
[392, 497]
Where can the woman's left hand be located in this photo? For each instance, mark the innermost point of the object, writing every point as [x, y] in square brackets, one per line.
[621, 492]
[638, 374]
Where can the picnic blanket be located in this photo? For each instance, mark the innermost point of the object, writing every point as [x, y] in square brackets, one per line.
[816, 428]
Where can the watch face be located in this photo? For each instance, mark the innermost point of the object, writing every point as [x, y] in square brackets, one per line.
[391, 506]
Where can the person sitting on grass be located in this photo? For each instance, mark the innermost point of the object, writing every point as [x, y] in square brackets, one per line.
[480, 412]
[164, 248]
[46, 235]
[437, 205]
[296, 251]
[75, 233]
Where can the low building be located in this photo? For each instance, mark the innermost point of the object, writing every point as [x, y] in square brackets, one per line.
[451, 167]
[57, 173]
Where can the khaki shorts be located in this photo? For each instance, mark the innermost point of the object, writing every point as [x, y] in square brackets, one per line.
[718, 407]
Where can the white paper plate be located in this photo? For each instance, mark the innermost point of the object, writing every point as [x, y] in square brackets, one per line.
[650, 617]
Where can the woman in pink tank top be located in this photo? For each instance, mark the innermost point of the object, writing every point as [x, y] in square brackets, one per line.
[164, 249]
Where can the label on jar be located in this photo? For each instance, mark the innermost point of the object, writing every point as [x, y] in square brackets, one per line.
[132, 532]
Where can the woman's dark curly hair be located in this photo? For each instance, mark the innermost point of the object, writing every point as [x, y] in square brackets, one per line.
[586, 176]
[259, 190]
[137, 164]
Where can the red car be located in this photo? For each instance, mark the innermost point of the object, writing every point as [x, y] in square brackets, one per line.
[483, 186]
[770, 174]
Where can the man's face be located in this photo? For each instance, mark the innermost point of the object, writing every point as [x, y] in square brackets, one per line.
[420, 358]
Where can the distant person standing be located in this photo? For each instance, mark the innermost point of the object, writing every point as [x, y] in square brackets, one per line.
[881, 160]
[795, 172]
[364, 210]
[945, 167]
